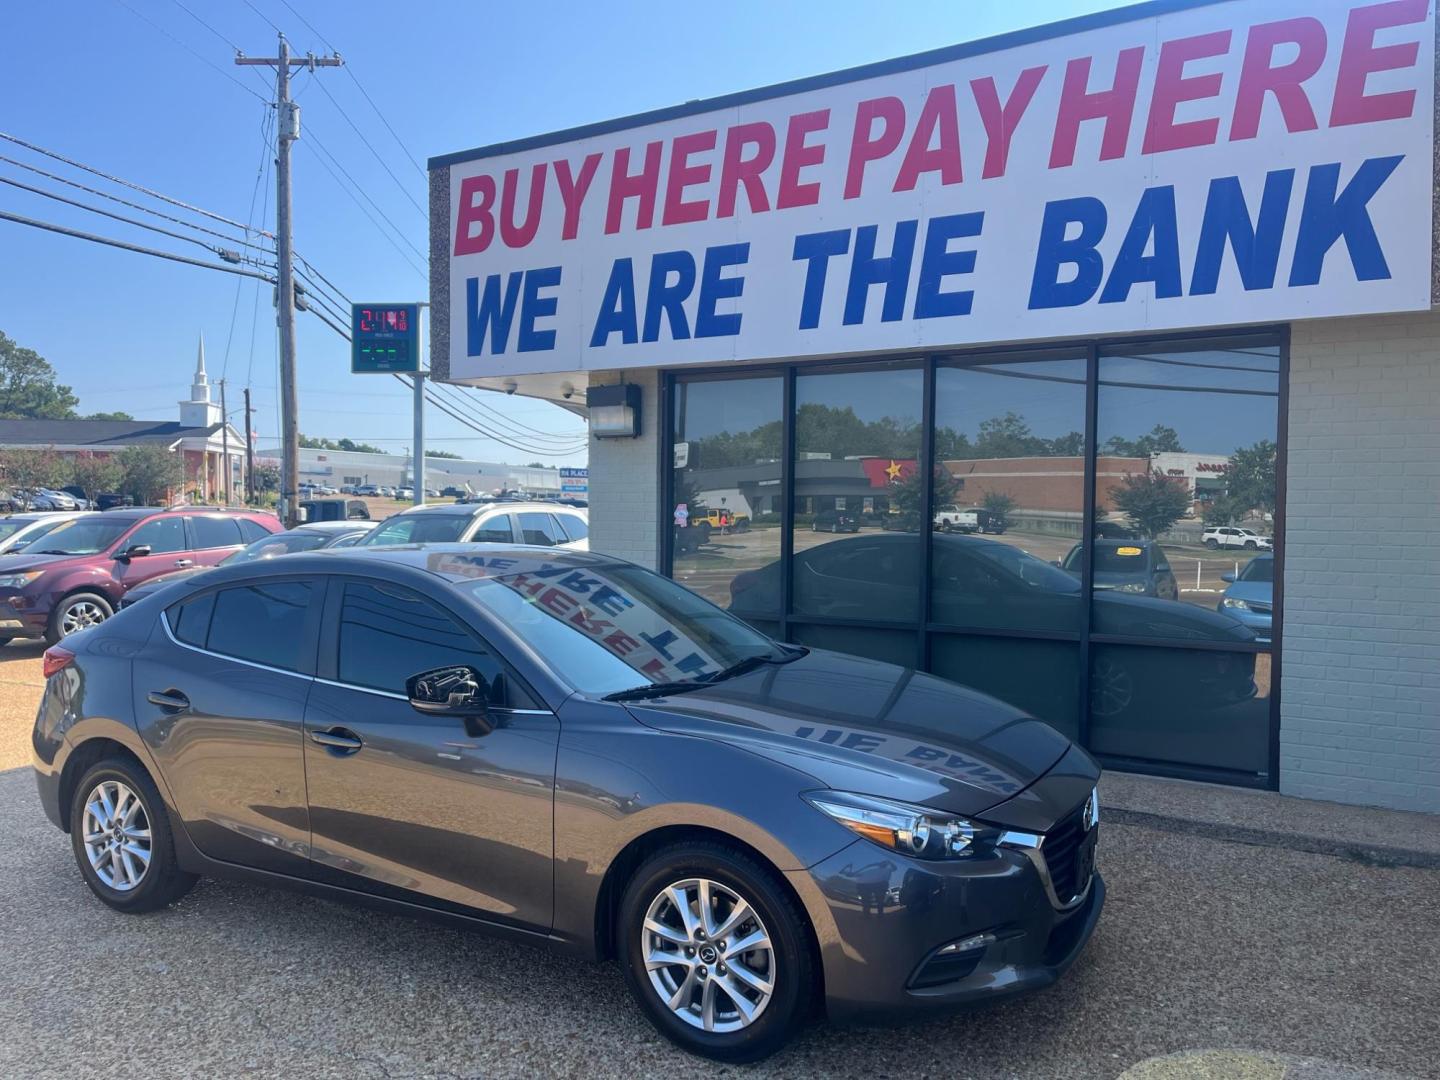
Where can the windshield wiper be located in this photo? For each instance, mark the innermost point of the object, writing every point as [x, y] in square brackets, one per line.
[659, 689]
[52, 551]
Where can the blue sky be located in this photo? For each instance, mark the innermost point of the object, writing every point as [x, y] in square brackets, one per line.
[98, 82]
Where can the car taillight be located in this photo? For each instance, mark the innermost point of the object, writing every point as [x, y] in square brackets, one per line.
[55, 660]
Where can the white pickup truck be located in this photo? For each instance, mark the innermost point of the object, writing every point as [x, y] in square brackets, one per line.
[954, 519]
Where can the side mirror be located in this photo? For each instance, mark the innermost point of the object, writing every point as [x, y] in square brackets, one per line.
[1228, 575]
[458, 690]
[134, 551]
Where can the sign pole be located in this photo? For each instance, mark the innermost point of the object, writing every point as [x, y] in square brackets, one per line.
[417, 469]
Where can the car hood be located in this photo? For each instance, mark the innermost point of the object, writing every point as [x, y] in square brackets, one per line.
[877, 729]
[20, 561]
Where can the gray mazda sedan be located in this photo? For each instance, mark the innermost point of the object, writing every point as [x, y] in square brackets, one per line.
[570, 750]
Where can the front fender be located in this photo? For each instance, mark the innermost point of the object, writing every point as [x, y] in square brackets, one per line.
[618, 781]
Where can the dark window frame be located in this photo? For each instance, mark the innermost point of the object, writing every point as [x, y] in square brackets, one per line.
[306, 656]
[1276, 335]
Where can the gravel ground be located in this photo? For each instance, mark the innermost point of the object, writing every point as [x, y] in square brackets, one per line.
[1213, 959]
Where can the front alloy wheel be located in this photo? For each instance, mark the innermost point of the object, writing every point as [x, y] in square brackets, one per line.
[708, 955]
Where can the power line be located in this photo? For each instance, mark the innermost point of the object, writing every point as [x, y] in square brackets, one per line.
[262, 15]
[388, 171]
[193, 52]
[110, 242]
[513, 428]
[413, 265]
[260, 170]
[132, 185]
[350, 70]
[360, 188]
[126, 202]
[224, 253]
[206, 25]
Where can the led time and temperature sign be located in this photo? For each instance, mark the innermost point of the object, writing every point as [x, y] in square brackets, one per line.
[384, 338]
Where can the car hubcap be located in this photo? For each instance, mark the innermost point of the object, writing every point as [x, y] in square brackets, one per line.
[81, 616]
[708, 955]
[116, 835]
[1111, 689]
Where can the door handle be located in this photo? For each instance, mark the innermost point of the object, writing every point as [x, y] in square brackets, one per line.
[184, 562]
[169, 700]
[339, 739]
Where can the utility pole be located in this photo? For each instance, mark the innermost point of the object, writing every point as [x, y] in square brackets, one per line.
[287, 131]
[249, 453]
[225, 445]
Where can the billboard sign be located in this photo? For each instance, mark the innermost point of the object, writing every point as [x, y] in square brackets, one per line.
[575, 481]
[1158, 167]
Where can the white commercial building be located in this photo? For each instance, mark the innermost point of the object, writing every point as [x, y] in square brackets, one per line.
[337, 467]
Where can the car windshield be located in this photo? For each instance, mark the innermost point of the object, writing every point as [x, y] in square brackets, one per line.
[1258, 570]
[610, 627]
[418, 528]
[81, 536]
[38, 532]
[267, 547]
[11, 527]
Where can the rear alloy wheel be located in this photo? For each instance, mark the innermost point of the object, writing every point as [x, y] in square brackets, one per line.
[714, 952]
[77, 612]
[1212, 543]
[1112, 688]
[121, 836]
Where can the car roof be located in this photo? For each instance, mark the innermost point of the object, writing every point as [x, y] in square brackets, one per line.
[45, 515]
[470, 509]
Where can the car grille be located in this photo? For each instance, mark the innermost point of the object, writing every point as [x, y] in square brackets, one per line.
[1061, 846]
[1258, 607]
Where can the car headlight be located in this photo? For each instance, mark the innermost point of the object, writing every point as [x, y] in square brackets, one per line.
[910, 830]
[1235, 602]
[18, 581]
[1131, 586]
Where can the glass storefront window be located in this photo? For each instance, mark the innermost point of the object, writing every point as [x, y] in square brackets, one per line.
[725, 526]
[858, 494]
[1009, 496]
[1034, 675]
[1185, 489]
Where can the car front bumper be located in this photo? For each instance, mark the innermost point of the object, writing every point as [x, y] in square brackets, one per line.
[893, 915]
[20, 618]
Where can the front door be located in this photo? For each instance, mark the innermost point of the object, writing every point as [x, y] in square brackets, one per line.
[220, 700]
[413, 806]
[169, 551]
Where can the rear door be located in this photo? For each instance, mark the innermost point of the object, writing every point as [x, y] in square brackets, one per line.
[220, 698]
[412, 806]
[213, 537]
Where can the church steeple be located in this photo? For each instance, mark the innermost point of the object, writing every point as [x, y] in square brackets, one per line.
[200, 411]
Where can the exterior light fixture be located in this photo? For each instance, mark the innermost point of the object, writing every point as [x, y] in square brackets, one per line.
[614, 411]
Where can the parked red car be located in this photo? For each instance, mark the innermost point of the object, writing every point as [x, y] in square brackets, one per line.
[80, 570]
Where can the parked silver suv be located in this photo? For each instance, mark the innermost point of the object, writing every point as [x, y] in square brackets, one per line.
[537, 523]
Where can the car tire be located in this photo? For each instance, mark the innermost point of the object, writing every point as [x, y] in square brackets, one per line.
[1212, 543]
[76, 612]
[116, 871]
[650, 921]
[1250, 545]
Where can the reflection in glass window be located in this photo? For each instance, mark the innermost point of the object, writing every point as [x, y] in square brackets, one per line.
[1034, 675]
[387, 635]
[725, 525]
[162, 535]
[1010, 453]
[1190, 707]
[857, 444]
[263, 623]
[1187, 438]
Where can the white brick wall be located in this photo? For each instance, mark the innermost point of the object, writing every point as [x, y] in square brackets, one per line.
[1360, 696]
[623, 479]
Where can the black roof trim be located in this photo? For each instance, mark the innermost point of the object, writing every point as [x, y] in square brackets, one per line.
[1045, 32]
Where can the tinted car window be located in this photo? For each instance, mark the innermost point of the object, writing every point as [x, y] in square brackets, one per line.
[1259, 570]
[191, 620]
[213, 532]
[251, 530]
[496, 530]
[273, 544]
[348, 541]
[418, 529]
[389, 634]
[536, 528]
[163, 535]
[574, 526]
[264, 623]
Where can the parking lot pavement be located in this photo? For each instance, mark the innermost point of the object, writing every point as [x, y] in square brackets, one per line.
[1214, 958]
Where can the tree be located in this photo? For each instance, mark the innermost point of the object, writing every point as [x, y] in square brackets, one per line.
[442, 454]
[265, 477]
[32, 467]
[536, 465]
[1159, 440]
[314, 442]
[998, 505]
[1008, 436]
[1071, 444]
[109, 416]
[151, 472]
[28, 390]
[1151, 500]
[907, 495]
[95, 473]
[1225, 511]
[1250, 479]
